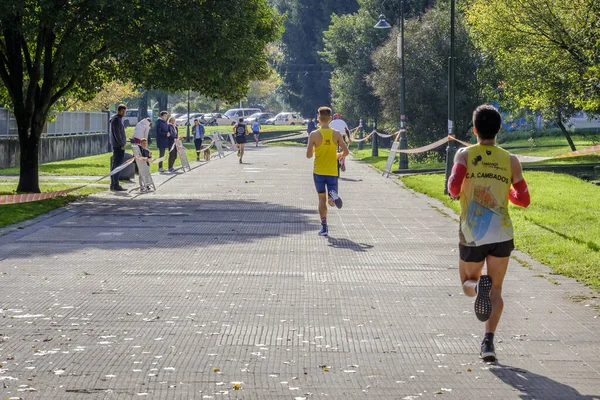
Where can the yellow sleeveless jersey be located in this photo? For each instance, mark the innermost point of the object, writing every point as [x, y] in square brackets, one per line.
[326, 155]
[484, 215]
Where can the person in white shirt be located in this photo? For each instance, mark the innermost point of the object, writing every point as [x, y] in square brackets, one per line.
[141, 130]
[339, 125]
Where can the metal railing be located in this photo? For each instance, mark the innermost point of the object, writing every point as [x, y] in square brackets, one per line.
[61, 124]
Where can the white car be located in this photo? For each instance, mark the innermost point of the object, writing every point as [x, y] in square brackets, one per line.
[183, 120]
[285, 118]
[213, 119]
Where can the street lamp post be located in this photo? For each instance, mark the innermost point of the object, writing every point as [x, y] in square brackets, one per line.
[383, 24]
[403, 162]
[187, 138]
[451, 149]
[360, 134]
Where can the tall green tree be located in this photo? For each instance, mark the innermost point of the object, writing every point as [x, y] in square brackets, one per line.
[50, 49]
[305, 75]
[350, 42]
[546, 53]
[427, 47]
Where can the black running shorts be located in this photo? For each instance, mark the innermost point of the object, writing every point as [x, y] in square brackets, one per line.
[240, 139]
[479, 253]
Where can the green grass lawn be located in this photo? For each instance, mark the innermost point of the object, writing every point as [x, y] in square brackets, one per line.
[380, 161]
[14, 213]
[561, 227]
[581, 142]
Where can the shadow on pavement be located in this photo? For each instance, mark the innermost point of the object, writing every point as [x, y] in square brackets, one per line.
[348, 244]
[533, 386]
[119, 224]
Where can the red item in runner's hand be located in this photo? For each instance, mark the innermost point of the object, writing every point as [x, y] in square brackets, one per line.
[519, 194]
[456, 179]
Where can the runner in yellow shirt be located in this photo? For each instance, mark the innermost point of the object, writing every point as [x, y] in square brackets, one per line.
[483, 175]
[323, 143]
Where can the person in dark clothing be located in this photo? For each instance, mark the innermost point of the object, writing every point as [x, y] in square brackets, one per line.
[146, 154]
[311, 126]
[117, 141]
[198, 131]
[162, 136]
[174, 135]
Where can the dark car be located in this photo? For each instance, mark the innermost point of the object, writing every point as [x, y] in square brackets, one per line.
[260, 117]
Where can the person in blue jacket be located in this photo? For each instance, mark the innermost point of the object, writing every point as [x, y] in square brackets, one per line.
[162, 136]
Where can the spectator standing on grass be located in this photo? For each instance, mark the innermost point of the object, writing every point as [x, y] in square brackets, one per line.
[198, 131]
[141, 130]
[117, 141]
[162, 136]
[174, 135]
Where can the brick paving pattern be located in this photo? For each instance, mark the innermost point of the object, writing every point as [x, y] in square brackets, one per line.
[219, 279]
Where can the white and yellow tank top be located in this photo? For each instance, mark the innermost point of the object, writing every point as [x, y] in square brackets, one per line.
[326, 155]
[484, 215]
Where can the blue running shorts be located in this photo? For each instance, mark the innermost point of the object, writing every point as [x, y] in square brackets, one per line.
[325, 183]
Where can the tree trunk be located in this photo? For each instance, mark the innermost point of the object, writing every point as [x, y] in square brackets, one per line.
[163, 101]
[143, 106]
[29, 160]
[565, 132]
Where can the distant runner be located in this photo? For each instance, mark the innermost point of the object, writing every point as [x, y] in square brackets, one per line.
[323, 143]
[339, 125]
[241, 130]
[256, 131]
[482, 176]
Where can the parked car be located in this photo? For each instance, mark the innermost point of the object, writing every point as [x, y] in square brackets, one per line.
[285, 118]
[131, 117]
[260, 117]
[213, 119]
[236, 113]
[183, 120]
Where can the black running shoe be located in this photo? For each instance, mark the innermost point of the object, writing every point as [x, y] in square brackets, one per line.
[336, 199]
[483, 304]
[488, 353]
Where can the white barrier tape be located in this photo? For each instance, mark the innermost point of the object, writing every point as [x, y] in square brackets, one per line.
[582, 152]
[423, 148]
[30, 197]
[365, 138]
[530, 159]
[119, 168]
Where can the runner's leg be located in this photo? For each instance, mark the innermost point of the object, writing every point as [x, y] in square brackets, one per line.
[469, 275]
[496, 269]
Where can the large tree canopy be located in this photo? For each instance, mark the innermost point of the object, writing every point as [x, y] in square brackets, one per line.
[53, 48]
[349, 43]
[546, 53]
[427, 47]
[305, 75]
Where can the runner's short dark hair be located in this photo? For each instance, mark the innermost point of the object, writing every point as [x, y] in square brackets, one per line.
[487, 121]
[241, 119]
[324, 112]
[195, 119]
[121, 107]
[162, 113]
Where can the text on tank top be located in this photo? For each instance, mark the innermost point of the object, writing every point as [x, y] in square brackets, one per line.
[326, 155]
[484, 217]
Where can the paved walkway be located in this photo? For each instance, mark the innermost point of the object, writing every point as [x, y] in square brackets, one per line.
[220, 279]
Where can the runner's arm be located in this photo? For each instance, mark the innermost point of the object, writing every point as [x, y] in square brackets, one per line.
[458, 173]
[519, 193]
[310, 146]
[342, 144]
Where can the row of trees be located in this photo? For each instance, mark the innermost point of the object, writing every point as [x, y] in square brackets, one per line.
[537, 55]
[50, 50]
